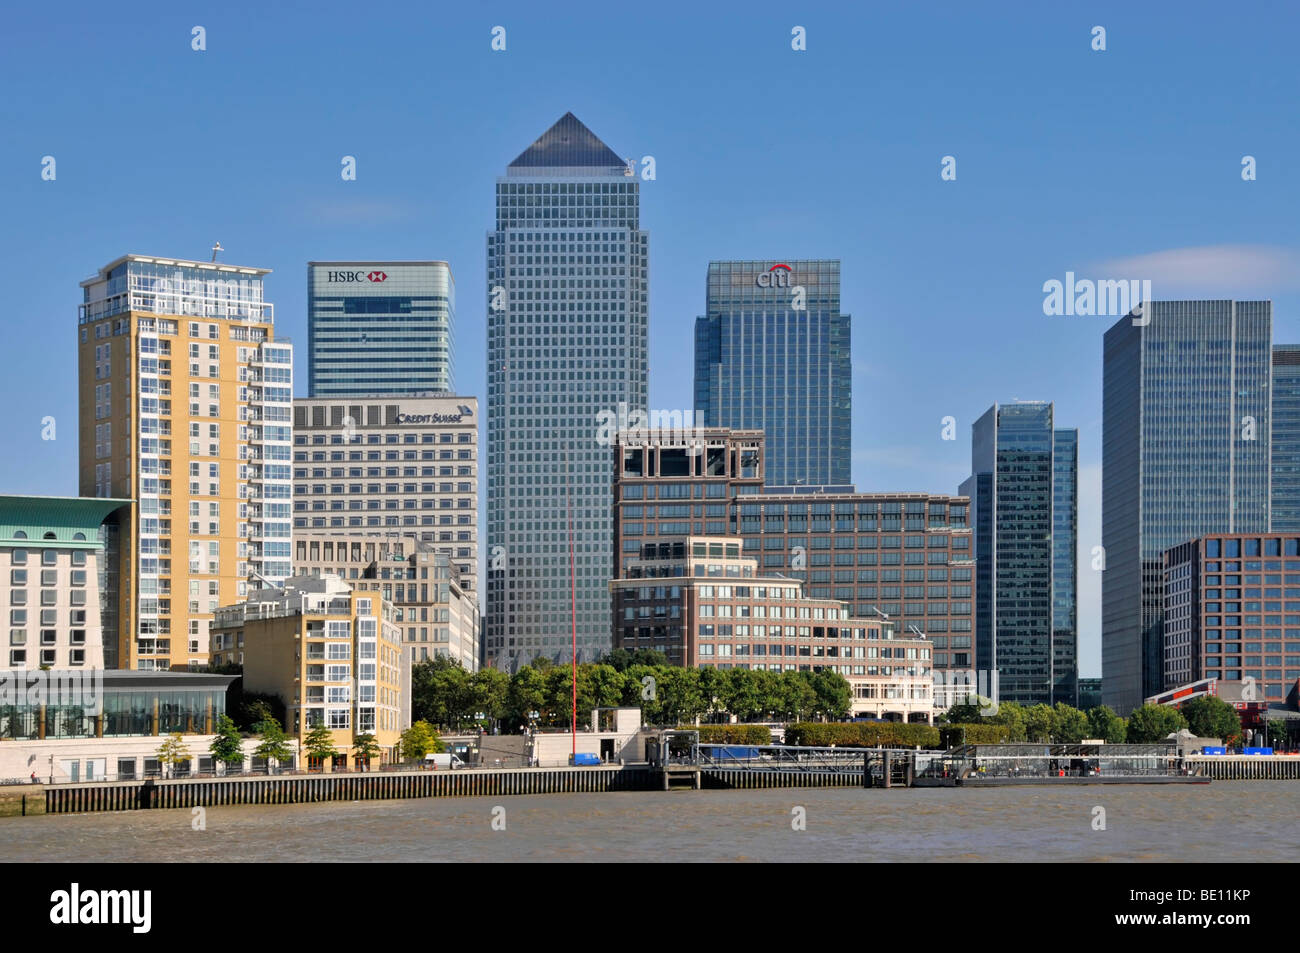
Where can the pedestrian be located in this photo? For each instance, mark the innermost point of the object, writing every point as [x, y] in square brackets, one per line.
[33, 777]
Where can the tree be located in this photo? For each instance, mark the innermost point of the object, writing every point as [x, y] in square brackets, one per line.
[1040, 723]
[1012, 715]
[525, 693]
[712, 682]
[617, 659]
[320, 743]
[441, 692]
[1107, 726]
[274, 746]
[798, 699]
[173, 750]
[834, 694]
[606, 686]
[420, 739]
[1152, 723]
[1071, 725]
[487, 692]
[964, 713]
[254, 708]
[367, 748]
[652, 657]
[1211, 717]
[227, 745]
[739, 693]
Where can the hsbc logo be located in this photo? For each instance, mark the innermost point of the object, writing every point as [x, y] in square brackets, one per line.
[778, 276]
[355, 276]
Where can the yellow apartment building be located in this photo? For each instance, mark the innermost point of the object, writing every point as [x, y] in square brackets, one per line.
[185, 407]
[331, 653]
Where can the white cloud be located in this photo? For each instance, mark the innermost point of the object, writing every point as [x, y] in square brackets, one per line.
[1210, 270]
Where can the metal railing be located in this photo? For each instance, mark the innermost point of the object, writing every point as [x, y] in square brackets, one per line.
[781, 758]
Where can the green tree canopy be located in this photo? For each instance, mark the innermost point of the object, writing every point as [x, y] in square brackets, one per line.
[488, 689]
[526, 692]
[227, 744]
[1071, 724]
[1211, 717]
[834, 694]
[1040, 723]
[1012, 715]
[420, 739]
[1152, 723]
[319, 743]
[273, 746]
[1107, 726]
[366, 747]
[964, 713]
[173, 749]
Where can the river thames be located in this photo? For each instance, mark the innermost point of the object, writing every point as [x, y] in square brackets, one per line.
[1224, 821]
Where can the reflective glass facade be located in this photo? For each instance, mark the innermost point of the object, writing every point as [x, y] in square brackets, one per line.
[1286, 438]
[772, 354]
[1185, 452]
[1065, 575]
[378, 328]
[567, 310]
[1024, 494]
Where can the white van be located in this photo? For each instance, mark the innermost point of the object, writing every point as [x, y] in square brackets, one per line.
[440, 762]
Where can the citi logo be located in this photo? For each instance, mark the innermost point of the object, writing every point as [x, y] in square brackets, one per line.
[778, 276]
[76, 906]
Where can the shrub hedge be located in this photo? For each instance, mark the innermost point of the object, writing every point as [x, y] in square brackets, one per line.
[732, 734]
[973, 734]
[862, 734]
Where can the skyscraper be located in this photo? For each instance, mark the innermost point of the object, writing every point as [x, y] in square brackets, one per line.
[401, 466]
[1185, 452]
[772, 354]
[186, 408]
[379, 327]
[1285, 432]
[1024, 494]
[567, 312]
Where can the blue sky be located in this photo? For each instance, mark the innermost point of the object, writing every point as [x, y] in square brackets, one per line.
[1117, 164]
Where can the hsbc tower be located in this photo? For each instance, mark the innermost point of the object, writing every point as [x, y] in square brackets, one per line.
[379, 327]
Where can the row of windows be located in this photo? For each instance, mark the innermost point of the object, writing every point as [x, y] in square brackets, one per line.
[18, 657]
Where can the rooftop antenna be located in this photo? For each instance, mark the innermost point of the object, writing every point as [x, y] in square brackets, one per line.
[216, 248]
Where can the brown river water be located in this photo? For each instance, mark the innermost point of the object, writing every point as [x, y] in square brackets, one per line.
[1224, 821]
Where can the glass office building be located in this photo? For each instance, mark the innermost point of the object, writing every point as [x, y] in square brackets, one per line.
[772, 354]
[1286, 438]
[1185, 452]
[567, 311]
[1024, 497]
[379, 327]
